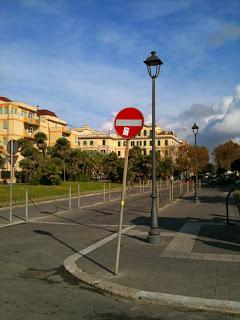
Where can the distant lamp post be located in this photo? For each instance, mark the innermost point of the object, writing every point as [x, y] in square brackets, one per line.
[195, 131]
[212, 155]
[153, 64]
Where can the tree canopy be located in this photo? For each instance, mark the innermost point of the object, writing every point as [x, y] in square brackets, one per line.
[226, 153]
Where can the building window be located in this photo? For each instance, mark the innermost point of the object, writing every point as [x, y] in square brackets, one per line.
[119, 153]
[5, 110]
[79, 143]
[103, 151]
[145, 133]
[5, 125]
[159, 143]
[104, 142]
[119, 143]
[144, 152]
[139, 143]
[84, 142]
[166, 143]
[150, 133]
[145, 143]
[91, 143]
[124, 143]
[30, 130]
[132, 143]
[150, 142]
[30, 115]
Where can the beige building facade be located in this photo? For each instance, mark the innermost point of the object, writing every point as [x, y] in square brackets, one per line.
[20, 120]
[167, 142]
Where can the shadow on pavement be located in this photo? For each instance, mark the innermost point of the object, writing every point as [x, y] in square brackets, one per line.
[49, 234]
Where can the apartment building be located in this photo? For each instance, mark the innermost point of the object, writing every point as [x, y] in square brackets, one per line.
[167, 142]
[20, 120]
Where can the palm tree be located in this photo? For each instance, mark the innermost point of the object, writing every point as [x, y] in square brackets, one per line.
[40, 139]
[61, 148]
[2, 161]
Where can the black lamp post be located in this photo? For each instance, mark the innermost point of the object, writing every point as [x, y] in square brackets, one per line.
[195, 131]
[212, 155]
[153, 67]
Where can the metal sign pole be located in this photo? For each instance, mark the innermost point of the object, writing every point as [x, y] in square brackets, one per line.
[122, 207]
[11, 182]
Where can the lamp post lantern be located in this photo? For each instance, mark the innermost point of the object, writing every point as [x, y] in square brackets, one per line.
[153, 64]
[195, 131]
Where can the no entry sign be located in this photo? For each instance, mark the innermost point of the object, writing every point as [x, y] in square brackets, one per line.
[128, 122]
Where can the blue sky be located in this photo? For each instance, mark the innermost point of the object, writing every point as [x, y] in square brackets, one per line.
[84, 60]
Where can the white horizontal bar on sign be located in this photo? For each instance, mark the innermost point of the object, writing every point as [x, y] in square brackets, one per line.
[128, 123]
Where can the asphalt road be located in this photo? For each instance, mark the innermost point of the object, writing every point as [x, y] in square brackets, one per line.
[34, 285]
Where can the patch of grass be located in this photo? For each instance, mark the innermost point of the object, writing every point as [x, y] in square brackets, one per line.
[237, 195]
[41, 193]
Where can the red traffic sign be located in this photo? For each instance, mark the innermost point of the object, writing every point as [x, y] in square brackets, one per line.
[128, 122]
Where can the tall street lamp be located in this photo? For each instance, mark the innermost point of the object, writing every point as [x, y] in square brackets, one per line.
[153, 67]
[195, 131]
[212, 155]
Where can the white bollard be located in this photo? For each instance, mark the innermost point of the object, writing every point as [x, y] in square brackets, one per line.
[109, 191]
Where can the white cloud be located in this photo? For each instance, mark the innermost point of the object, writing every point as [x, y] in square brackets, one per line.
[217, 122]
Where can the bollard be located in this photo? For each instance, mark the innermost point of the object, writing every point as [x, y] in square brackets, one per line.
[143, 186]
[26, 205]
[70, 198]
[170, 192]
[172, 189]
[78, 197]
[140, 187]
[109, 191]
[187, 187]
[158, 204]
[180, 189]
[104, 192]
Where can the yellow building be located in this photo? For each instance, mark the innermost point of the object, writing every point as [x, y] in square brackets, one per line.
[167, 142]
[20, 120]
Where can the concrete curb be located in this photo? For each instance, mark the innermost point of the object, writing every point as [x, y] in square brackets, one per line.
[186, 302]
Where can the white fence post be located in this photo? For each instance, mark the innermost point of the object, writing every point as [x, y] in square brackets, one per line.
[26, 205]
[70, 198]
[109, 191]
[104, 192]
[78, 197]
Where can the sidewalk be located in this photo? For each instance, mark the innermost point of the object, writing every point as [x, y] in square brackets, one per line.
[196, 264]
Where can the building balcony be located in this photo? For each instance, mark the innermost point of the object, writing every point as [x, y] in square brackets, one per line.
[32, 121]
[28, 135]
[66, 131]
